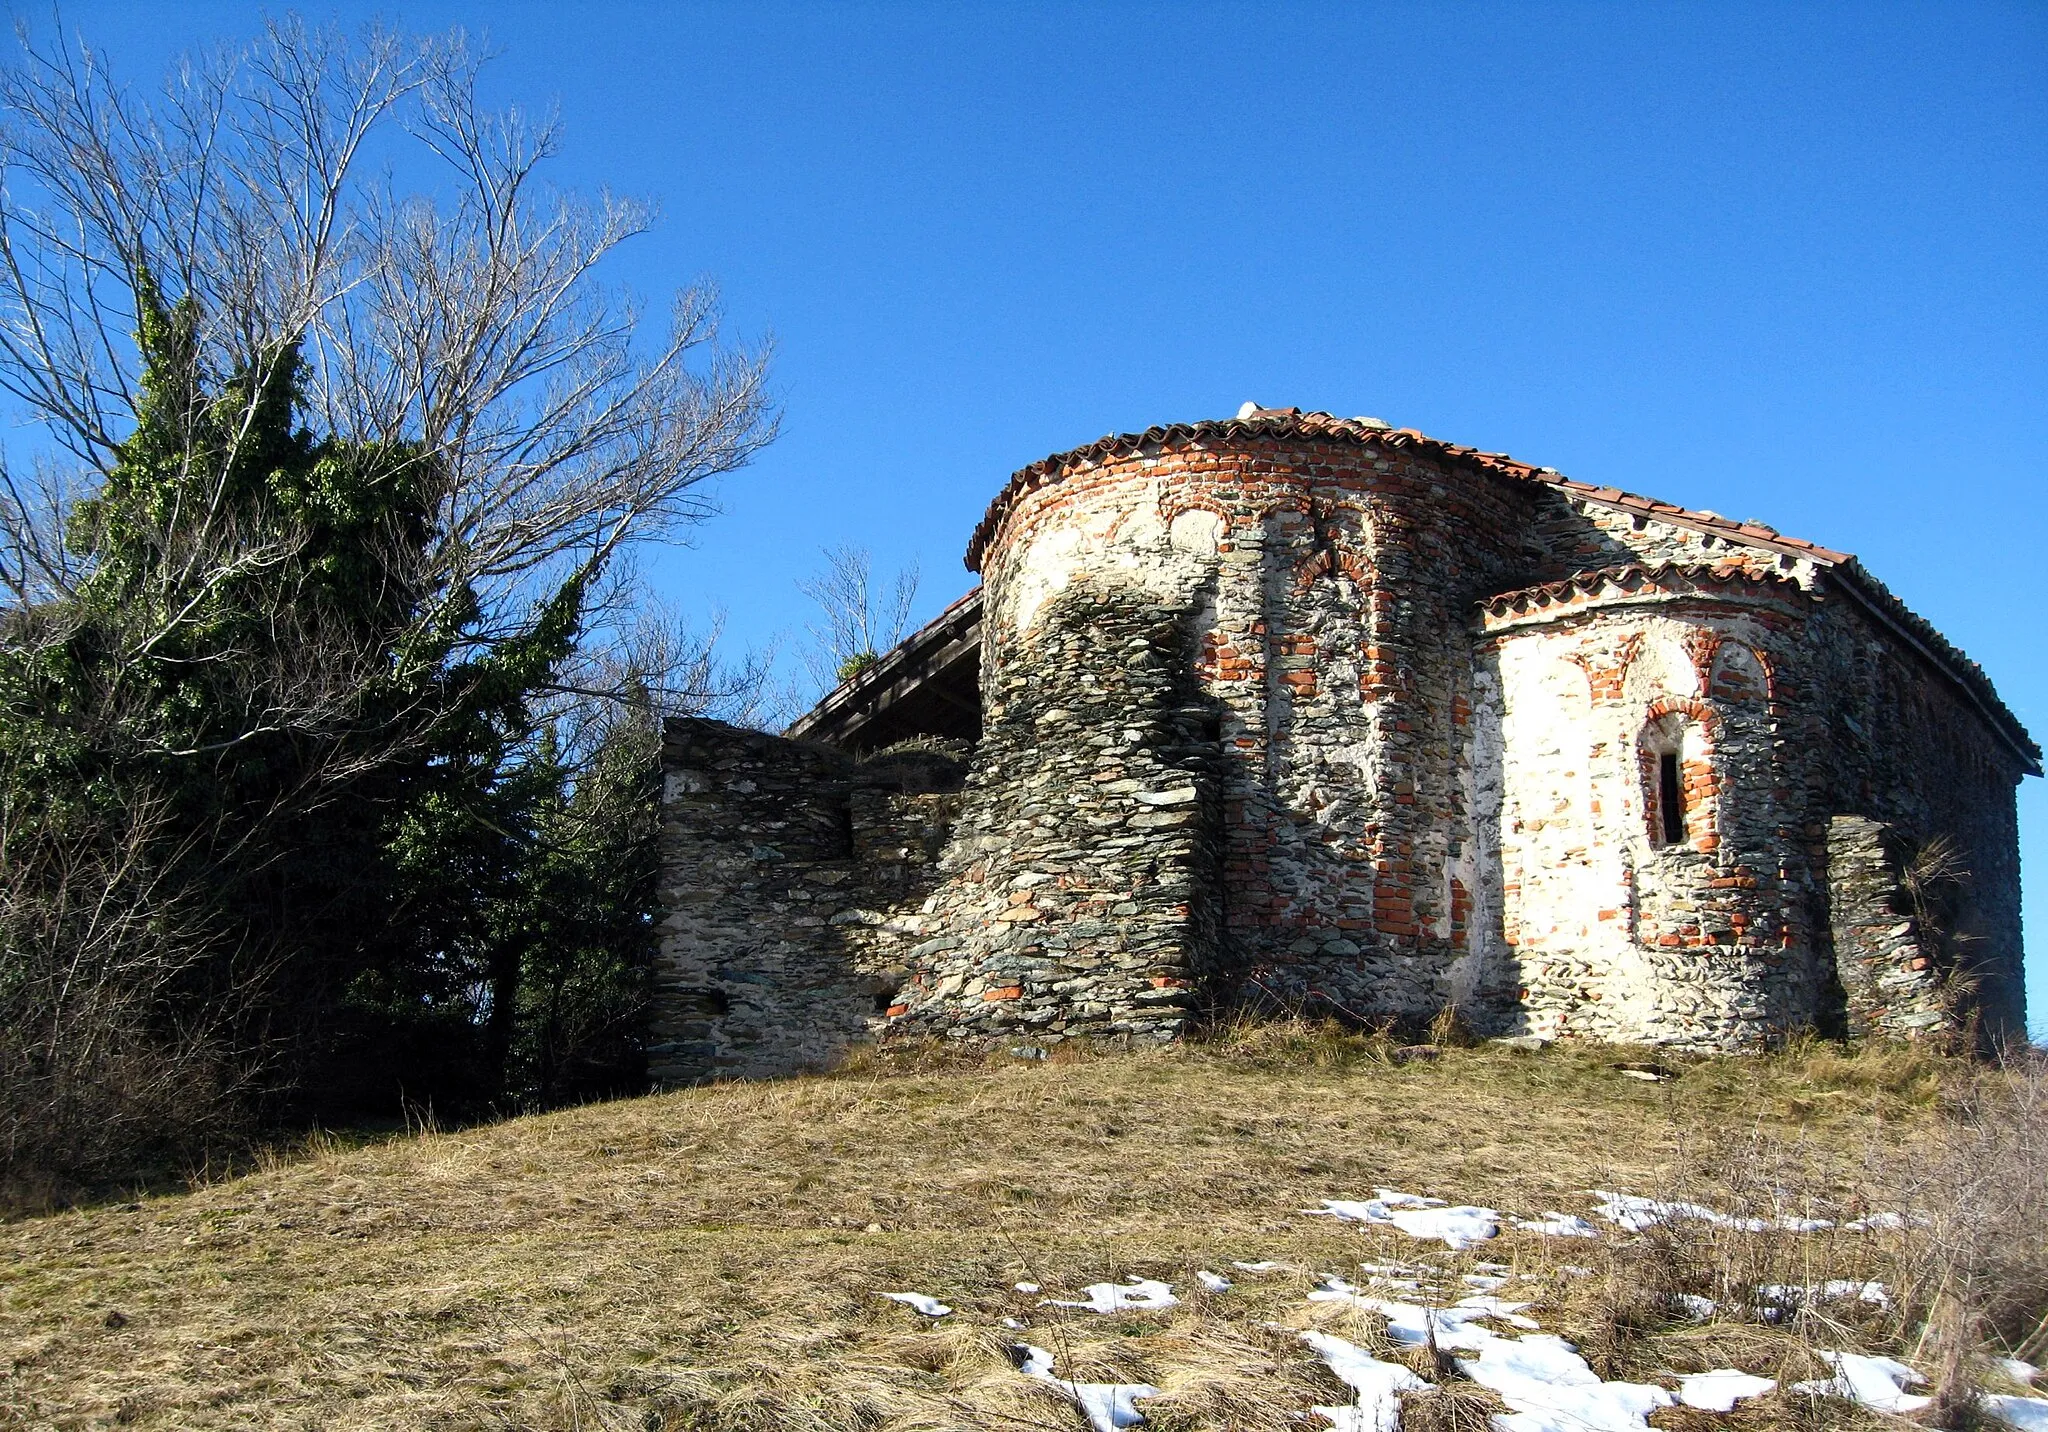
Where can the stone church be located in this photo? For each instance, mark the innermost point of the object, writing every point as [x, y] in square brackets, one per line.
[1298, 712]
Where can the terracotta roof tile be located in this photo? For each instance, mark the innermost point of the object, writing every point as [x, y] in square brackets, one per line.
[1749, 534]
[1672, 577]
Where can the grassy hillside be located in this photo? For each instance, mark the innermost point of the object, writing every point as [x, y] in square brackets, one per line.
[710, 1258]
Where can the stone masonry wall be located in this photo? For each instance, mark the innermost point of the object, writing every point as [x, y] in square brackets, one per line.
[1079, 893]
[1282, 719]
[790, 880]
[1856, 723]
[1889, 739]
[1889, 981]
[1328, 586]
[1576, 534]
[1604, 927]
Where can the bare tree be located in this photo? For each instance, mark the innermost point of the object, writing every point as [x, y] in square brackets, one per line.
[463, 327]
[654, 662]
[465, 322]
[859, 617]
[342, 217]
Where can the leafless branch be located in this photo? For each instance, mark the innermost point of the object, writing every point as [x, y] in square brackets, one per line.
[859, 618]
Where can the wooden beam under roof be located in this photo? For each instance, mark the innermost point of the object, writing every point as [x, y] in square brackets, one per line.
[929, 684]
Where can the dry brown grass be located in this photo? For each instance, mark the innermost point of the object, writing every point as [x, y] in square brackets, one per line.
[707, 1259]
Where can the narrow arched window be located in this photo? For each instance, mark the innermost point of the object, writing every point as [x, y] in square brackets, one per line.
[1670, 798]
[1673, 755]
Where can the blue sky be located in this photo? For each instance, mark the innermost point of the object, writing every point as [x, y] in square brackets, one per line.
[1786, 262]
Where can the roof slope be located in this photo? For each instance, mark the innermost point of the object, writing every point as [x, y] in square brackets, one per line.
[946, 647]
[1292, 423]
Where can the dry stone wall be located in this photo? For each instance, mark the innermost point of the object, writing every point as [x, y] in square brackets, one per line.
[1080, 890]
[791, 879]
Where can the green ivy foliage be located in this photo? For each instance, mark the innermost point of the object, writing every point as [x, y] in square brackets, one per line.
[395, 882]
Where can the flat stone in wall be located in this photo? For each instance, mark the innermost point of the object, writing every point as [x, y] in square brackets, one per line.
[1883, 735]
[791, 876]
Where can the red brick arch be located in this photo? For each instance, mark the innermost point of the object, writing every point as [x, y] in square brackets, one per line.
[1173, 504]
[1338, 559]
[1689, 706]
[1606, 673]
[1296, 502]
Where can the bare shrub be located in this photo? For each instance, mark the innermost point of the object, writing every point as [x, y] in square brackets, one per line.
[105, 1102]
[98, 1081]
[860, 617]
[1972, 1266]
[1935, 1249]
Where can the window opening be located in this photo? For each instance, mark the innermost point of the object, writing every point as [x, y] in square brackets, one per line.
[1670, 799]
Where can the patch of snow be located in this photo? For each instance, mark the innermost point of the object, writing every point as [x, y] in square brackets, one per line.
[1634, 1213]
[1721, 1389]
[1410, 1324]
[930, 1307]
[1509, 1313]
[1558, 1225]
[1139, 1293]
[1108, 1406]
[1876, 1222]
[1266, 1267]
[1549, 1388]
[1014, 1323]
[1458, 1227]
[2018, 1371]
[1485, 1282]
[1212, 1282]
[1379, 1385]
[1878, 1383]
[1697, 1308]
[2029, 1414]
[1027, 1287]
